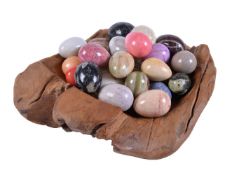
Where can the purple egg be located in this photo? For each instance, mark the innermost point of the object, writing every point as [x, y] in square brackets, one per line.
[159, 51]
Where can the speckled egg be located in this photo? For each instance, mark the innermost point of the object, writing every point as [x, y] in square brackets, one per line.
[88, 77]
[116, 44]
[138, 82]
[71, 46]
[156, 69]
[184, 61]
[147, 31]
[152, 103]
[69, 63]
[95, 53]
[121, 64]
[179, 83]
[120, 29]
[117, 95]
[173, 43]
[161, 86]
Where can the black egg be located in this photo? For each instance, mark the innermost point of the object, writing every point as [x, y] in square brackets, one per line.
[120, 29]
[173, 43]
[88, 77]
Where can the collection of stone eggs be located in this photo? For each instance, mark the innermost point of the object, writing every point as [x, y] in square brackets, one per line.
[130, 69]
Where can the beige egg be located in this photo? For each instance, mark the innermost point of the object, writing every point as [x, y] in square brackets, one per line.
[156, 69]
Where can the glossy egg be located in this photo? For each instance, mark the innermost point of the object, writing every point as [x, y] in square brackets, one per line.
[120, 29]
[146, 30]
[138, 82]
[70, 76]
[159, 51]
[173, 43]
[117, 95]
[179, 83]
[70, 62]
[88, 77]
[156, 69]
[152, 103]
[95, 53]
[121, 64]
[71, 46]
[116, 44]
[138, 44]
[184, 61]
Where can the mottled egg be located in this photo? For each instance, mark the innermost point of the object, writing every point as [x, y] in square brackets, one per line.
[138, 82]
[116, 44]
[138, 44]
[179, 83]
[146, 30]
[173, 43]
[71, 46]
[156, 69]
[161, 86]
[121, 64]
[95, 53]
[152, 103]
[120, 29]
[117, 95]
[88, 77]
[184, 61]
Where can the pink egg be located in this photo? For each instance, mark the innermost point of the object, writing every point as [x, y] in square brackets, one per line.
[95, 53]
[138, 44]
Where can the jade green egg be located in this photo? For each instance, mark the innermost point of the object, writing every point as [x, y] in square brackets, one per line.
[137, 82]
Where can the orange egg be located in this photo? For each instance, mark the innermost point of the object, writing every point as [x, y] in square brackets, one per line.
[69, 63]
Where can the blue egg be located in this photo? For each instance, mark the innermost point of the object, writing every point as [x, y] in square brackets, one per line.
[161, 86]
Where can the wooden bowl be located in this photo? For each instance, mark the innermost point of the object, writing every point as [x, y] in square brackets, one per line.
[42, 95]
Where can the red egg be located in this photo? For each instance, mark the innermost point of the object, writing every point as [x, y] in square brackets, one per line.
[70, 76]
[138, 44]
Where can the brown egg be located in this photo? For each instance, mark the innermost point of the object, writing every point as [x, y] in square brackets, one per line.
[69, 63]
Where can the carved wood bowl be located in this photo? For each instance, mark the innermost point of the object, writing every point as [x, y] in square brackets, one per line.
[42, 95]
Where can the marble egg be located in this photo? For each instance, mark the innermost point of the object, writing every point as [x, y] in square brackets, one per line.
[101, 41]
[159, 51]
[107, 79]
[184, 61]
[147, 31]
[120, 29]
[179, 83]
[88, 77]
[173, 43]
[116, 44]
[95, 53]
[152, 103]
[156, 69]
[121, 64]
[161, 86]
[117, 95]
[138, 44]
[69, 63]
[138, 82]
[70, 76]
[71, 46]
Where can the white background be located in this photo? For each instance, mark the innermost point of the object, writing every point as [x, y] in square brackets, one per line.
[31, 30]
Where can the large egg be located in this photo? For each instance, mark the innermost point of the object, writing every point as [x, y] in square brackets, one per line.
[117, 95]
[152, 103]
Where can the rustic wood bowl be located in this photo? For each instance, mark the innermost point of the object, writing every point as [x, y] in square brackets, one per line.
[42, 95]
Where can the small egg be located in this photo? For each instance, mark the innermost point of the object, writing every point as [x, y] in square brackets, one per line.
[70, 76]
[116, 44]
[70, 62]
[159, 51]
[179, 83]
[161, 86]
[120, 29]
[71, 46]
